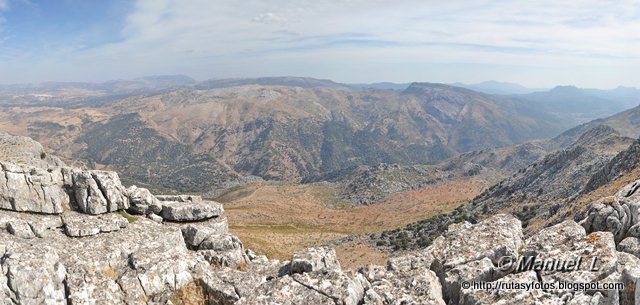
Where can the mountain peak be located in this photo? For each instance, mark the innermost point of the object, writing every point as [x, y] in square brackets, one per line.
[566, 89]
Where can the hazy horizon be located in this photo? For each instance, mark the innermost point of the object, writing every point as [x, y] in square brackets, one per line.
[589, 44]
[301, 76]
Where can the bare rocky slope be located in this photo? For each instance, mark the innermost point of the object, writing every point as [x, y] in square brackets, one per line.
[544, 192]
[74, 236]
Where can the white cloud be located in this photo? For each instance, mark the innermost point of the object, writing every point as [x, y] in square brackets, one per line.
[4, 5]
[270, 37]
[269, 18]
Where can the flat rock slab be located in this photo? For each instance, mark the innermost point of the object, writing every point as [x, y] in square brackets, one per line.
[28, 225]
[190, 211]
[76, 225]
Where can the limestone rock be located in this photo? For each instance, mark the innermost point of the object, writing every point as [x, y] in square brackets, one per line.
[343, 288]
[629, 269]
[581, 298]
[78, 225]
[28, 225]
[98, 192]
[142, 201]
[88, 195]
[618, 214]
[630, 245]
[30, 189]
[24, 150]
[314, 259]
[469, 252]
[511, 296]
[416, 286]
[223, 250]
[568, 241]
[607, 214]
[190, 211]
[155, 218]
[195, 235]
[415, 260]
[96, 283]
[285, 291]
[20, 228]
[229, 285]
[35, 276]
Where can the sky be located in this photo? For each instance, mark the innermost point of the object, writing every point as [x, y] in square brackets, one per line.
[591, 43]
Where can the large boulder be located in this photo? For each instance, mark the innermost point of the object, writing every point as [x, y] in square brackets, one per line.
[98, 192]
[314, 259]
[567, 241]
[225, 250]
[467, 252]
[608, 214]
[30, 189]
[618, 214]
[191, 208]
[196, 235]
[142, 201]
[630, 245]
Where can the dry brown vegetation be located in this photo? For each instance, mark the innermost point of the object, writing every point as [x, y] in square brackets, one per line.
[278, 220]
[191, 294]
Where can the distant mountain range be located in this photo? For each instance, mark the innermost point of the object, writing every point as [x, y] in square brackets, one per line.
[501, 88]
[198, 135]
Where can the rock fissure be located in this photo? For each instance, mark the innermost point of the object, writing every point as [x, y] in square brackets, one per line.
[334, 299]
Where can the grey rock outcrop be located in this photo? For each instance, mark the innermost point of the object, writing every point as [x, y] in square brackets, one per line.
[143, 202]
[618, 214]
[201, 234]
[314, 259]
[495, 296]
[188, 208]
[34, 276]
[25, 151]
[469, 252]
[630, 245]
[25, 188]
[98, 192]
[78, 225]
[413, 286]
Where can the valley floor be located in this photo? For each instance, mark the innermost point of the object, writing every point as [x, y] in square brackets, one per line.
[280, 219]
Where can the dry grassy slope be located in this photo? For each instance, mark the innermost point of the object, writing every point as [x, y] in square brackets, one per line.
[279, 219]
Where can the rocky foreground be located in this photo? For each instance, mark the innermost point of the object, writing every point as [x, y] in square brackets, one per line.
[74, 236]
